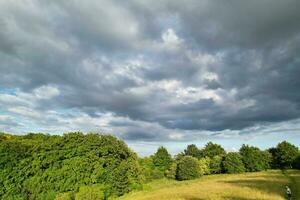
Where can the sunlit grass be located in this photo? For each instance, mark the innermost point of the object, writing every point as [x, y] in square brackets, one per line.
[261, 185]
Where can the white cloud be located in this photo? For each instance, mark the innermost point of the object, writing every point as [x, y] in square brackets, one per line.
[46, 92]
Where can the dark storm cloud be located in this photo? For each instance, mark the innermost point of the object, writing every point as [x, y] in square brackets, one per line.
[198, 65]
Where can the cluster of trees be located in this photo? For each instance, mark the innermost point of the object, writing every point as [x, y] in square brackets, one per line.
[213, 159]
[72, 166]
[79, 166]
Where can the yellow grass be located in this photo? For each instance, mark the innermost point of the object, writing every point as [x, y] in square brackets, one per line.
[262, 185]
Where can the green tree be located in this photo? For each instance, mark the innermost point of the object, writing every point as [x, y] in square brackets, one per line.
[233, 163]
[192, 150]
[215, 165]
[43, 166]
[204, 166]
[187, 168]
[296, 164]
[210, 150]
[162, 159]
[286, 154]
[254, 159]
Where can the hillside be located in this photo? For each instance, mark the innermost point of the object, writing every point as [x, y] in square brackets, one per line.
[249, 186]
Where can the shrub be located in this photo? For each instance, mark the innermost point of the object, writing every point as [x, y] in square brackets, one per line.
[171, 173]
[233, 163]
[91, 193]
[187, 168]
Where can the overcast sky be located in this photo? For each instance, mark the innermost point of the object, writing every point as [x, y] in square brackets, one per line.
[167, 72]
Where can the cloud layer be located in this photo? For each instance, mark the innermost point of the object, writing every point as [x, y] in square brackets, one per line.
[150, 71]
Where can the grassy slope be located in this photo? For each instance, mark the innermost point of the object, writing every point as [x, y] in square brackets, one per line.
[261, 185]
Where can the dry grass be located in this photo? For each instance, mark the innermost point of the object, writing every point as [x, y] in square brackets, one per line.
[262, 185]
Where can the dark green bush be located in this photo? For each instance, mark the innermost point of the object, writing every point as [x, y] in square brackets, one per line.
[233, 163]
[187, 168]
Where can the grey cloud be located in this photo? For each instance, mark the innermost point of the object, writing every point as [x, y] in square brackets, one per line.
[109, 57]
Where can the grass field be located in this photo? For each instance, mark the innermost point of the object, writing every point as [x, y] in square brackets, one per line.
[268, 185]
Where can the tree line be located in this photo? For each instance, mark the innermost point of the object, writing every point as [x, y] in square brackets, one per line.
[194, 162]
[77, 166]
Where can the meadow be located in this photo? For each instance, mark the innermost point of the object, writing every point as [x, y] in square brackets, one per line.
[247, 186]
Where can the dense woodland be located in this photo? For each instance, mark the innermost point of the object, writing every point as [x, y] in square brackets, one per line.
[94, 166]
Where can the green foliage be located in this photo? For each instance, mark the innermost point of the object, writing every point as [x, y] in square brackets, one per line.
[38, 166]
[162, 159]
[254, 159]
[187, 168]
[296, 164]
[286, 154]
[91, 193]
[149, 170]
[210, 150]
[215, 165]
[204, 166]
[233, 163]
[192, 150]
[171, 173]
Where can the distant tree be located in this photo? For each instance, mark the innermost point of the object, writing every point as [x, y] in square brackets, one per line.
[210, 150]
[233, 163]
[187, 168]
[273, 163]
[286, 154]
[149, 170]
[192, 150]
[162, 159]
[254, 159]
[204, 166]
[215, 165]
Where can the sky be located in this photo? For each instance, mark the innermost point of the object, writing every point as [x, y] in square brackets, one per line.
[153, 73]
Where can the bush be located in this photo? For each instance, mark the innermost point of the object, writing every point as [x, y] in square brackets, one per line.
[187, 168]
[204, 166]
[233, 163]
[171, 173]
[91, 193]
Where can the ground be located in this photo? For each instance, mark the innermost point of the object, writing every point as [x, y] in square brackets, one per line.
[268, 185]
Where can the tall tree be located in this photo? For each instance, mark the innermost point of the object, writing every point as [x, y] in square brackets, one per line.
[286, 154]
[212, 149]
[254, 159]
[192, 150]
[162, 159]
